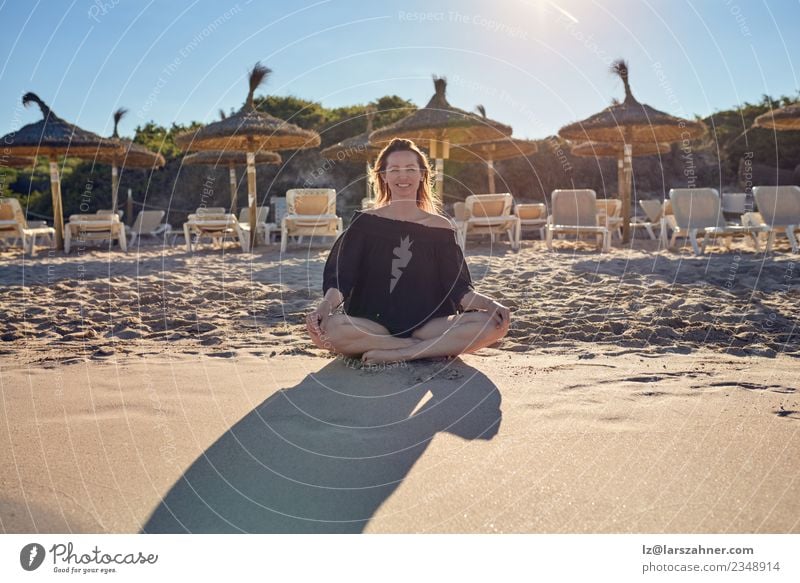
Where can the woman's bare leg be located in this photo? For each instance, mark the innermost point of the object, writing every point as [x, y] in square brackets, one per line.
[449, 336]
[438, 326]
[350, 336]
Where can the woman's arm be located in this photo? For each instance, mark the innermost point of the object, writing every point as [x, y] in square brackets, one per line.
[333, 297]
[318, 317]
[473, 300]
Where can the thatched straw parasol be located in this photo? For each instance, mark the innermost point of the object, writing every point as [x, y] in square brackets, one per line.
[53, 137]
[356, 149]
[438, 125]
[250, 131]
[785, 118]
[231, 160]
[605, 150]
[492, 151]
[631, 123]
[16, 161]
[130, 155]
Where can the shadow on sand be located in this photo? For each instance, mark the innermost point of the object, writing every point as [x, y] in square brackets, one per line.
[321, 457]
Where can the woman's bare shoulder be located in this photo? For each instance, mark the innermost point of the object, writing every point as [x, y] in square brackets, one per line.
[438, 221]
[373, 211]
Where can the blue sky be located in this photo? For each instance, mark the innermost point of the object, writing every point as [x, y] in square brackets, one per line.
[534, 64]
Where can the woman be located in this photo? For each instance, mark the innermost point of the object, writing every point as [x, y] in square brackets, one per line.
[401, 276]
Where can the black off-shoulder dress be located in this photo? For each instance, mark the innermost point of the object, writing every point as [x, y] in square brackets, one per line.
[397, 273]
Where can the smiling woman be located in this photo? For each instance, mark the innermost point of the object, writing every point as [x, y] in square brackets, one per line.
[400, 277]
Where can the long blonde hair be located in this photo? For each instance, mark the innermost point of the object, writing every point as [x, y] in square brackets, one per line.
[426, 199]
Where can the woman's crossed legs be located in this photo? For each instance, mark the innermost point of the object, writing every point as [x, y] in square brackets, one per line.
[447, 336]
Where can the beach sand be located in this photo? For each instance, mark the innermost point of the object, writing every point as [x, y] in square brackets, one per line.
[637, 391]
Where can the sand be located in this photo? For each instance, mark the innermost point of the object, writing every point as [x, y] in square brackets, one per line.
[637, 391]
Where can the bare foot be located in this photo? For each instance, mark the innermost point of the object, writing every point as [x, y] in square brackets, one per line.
[384, 356]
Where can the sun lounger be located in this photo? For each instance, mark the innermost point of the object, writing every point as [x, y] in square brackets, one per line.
[609, 213]
[489, 214]
[734, 203]
[148, 223]
[779, 208]
[103, 227]
[532, 216]
[263, 228]
[698, 210]
[312, 212]
[653, 210]
[215, 226]
[575, 212]
[120, 213]
[14, 226]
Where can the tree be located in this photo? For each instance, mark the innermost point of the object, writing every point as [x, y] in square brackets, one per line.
[160, 139]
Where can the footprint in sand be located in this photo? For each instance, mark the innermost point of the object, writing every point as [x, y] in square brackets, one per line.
[125, 334]
[791, 414]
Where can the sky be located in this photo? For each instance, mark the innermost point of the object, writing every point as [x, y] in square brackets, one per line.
[534, 64]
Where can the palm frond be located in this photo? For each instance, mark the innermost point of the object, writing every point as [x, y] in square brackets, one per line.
[258, 75]
[118, 115]
[30, 97]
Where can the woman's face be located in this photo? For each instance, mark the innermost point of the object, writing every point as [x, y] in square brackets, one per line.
[403, 175]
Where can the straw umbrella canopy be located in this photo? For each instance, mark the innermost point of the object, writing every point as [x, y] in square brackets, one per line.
[492, 151]
[631, 124]
[438, 125]
[356, 149]
[606, 150]
[231, 159]
[53, 137]
[130, 155]
[16, 161]
[250, 131]
[785, 118]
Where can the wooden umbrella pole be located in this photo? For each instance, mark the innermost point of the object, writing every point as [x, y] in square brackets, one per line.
[232, 180]
[114, 187]
[627, 163]
[440, 149]
[440, 178]
[368, 186]
[58, 213]
[251, 195]
[490, 170]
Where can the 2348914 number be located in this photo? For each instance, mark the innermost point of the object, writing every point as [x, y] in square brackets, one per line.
[755, 566]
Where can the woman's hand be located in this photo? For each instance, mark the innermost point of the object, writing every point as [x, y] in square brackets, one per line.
[501, 314]
[318, 318]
